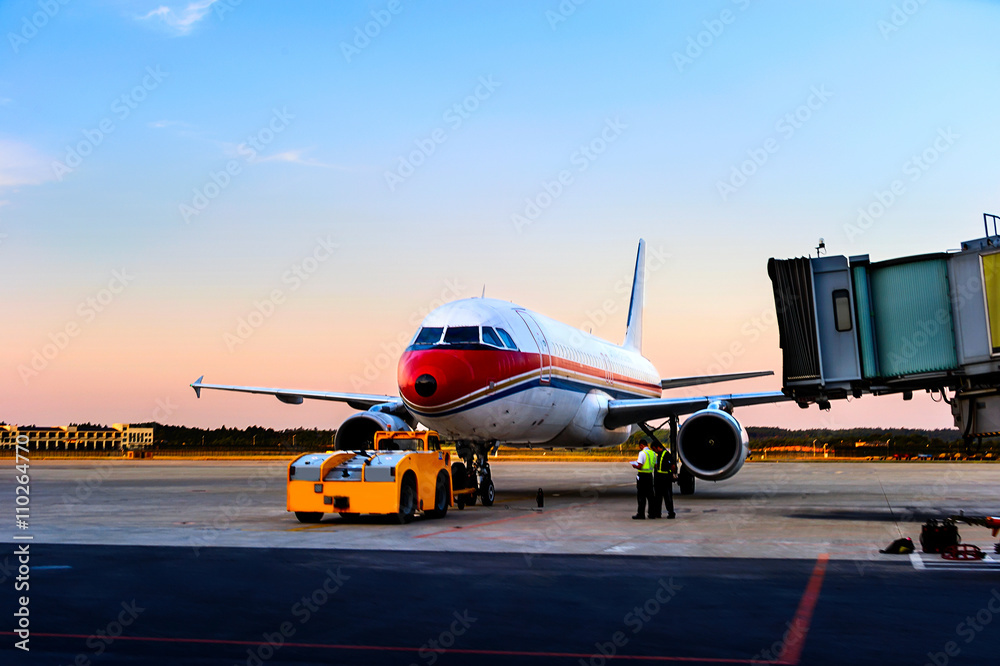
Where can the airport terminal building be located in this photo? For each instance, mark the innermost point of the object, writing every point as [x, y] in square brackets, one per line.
[78, 437]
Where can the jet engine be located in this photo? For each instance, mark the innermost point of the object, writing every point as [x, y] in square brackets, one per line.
[358, 431]
[712, 444]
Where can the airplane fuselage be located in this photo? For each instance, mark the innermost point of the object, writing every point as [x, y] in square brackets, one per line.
[485, 370]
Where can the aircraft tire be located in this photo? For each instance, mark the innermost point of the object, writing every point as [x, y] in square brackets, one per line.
[686, 482]
[487, 491]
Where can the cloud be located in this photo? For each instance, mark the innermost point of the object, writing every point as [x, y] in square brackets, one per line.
[20, 164]
[296, 157]
[183, 21]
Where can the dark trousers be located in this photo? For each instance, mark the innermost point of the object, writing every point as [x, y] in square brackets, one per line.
[663, 493]
[644, 493]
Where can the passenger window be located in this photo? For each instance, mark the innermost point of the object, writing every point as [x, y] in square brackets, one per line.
[490, 337]
[456, 335]
[842, 310]
[508, 341]
[428, 336]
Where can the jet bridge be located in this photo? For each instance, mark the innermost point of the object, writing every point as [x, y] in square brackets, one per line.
[849, 326]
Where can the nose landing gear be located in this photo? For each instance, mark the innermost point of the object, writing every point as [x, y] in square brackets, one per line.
[477, 464]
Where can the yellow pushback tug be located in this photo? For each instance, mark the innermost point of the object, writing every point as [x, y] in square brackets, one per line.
[406, 473]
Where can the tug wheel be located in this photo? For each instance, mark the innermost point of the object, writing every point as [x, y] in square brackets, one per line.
[407, 500]
[440, 509]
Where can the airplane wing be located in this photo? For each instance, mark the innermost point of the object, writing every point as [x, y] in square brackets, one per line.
[295, 397]
[678, 382]
[626, 412]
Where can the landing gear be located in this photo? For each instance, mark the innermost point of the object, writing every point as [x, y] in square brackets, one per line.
[487, 492]
[477, 464]
[685, 480]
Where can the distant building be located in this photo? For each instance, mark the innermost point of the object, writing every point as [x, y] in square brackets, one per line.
[78, 438]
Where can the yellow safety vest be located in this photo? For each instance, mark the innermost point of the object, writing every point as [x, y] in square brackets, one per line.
[649, 462]
[663, 462]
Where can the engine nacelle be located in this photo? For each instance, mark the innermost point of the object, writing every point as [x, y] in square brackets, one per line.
[712, 444]
[357, 433]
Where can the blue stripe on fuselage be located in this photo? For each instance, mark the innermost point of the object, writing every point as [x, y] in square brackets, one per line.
[560, 383]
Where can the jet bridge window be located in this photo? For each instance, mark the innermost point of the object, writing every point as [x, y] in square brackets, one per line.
[456, 335]
[508, 341]
[428, 336]
[842, 310]
[490, 337]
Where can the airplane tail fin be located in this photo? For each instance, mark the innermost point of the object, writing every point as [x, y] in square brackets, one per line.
[633, 331]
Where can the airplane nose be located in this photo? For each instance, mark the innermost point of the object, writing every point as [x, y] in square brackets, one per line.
[432, 377]
[425, 385]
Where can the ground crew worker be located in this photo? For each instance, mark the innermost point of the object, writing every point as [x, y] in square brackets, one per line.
[663, 484]
[645, 464]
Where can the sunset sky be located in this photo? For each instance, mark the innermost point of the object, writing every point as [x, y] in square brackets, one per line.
[340, 168]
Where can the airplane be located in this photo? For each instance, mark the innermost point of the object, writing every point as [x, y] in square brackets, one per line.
[485, 372]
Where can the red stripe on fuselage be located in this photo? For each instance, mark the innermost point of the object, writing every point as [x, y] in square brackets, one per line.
[461, 372]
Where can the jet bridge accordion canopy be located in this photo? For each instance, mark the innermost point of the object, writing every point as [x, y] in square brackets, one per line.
[847, 326]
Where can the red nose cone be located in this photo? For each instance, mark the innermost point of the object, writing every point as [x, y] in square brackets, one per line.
[434, 377]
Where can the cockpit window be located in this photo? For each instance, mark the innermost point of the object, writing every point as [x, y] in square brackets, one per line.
[490, 337]
[507, 340]
[428, 336]
[456, 335]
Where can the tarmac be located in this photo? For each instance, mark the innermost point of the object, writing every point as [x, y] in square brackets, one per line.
[768, 510]
[152, 562]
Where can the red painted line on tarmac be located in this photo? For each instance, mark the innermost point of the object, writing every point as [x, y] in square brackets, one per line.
[792, 652]
[389, 648]
[458, 530]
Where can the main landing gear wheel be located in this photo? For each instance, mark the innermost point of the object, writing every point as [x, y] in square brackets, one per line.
[441, 498]
[407, 501]
[685, 480]
[308, 516]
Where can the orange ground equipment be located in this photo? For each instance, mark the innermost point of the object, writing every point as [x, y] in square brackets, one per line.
[405, 474]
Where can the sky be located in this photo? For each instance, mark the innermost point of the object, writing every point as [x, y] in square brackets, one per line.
[274, 194]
